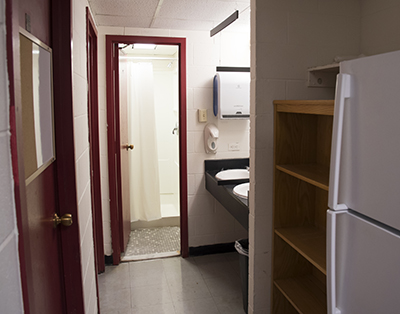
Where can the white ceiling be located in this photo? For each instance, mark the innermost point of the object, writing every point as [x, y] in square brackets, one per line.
[171, 14]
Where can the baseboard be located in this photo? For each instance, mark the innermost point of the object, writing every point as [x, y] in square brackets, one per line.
[212, 249]
[163, 222]
[196, 251]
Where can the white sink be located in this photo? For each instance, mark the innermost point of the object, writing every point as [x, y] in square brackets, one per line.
[242, 190]
[232, 174]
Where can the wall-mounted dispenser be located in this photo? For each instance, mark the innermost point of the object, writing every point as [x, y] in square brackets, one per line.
[232, 93]
[211, 134]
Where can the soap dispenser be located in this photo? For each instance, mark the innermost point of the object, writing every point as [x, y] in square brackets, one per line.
[211, 134]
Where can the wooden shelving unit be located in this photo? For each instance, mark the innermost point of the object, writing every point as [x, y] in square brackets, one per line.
[314, 174]
[309, 242]
[300, 290]
[303, 131]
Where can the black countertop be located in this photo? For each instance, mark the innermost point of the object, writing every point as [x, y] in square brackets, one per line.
[222, 190]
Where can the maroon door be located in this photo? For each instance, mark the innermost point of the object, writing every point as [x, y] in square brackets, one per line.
[125, 149]
[117, 159]
[49, 255]
[42, 236]
[46, 294]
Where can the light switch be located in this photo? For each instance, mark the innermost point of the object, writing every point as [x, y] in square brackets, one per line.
[202, 115]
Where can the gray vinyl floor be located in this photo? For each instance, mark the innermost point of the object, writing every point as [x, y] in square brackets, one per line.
[195, 285]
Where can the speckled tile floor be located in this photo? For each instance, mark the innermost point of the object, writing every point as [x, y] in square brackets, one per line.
[149, 243]
[195, 285]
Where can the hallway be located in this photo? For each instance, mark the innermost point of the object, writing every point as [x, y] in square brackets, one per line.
[203, 284]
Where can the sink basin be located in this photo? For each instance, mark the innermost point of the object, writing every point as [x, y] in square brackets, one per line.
[241, 190]
[232, 174]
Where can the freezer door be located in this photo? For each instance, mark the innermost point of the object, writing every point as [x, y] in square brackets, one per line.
[366, 266]
[369, 175]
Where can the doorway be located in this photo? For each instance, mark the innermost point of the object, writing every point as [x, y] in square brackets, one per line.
[149, 88]
[171, 188]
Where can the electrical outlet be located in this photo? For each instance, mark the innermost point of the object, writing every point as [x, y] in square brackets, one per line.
[234, 146]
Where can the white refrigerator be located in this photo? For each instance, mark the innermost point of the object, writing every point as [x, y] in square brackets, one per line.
[363, 219]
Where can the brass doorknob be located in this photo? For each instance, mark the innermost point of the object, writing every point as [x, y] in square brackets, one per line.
[65, 220]
[129, 146]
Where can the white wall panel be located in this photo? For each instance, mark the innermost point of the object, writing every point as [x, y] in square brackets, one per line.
[10, 282]
[10, 287]
[380, 26]
[82, 160]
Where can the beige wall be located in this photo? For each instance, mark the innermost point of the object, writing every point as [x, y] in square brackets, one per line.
[10, 285]
[380, 26]
[288, 36]
[209, 222]
[82, 161]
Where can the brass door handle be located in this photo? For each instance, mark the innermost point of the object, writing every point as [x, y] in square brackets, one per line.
[65, 220]
[129, 146]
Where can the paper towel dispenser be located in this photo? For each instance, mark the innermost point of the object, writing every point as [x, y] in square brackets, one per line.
[232, 93]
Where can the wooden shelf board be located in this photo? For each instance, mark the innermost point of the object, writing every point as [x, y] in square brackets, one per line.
[318, 107]
[312, 173]
[310, 242]
[304, 294]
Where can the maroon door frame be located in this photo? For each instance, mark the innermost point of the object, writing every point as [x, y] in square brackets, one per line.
[61, 30]
[93, 116]
[114, 170]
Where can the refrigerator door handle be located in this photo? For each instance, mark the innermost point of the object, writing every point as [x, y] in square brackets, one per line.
[342, 93]
[331, 260]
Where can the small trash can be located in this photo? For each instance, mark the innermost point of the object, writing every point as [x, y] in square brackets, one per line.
[242, 246]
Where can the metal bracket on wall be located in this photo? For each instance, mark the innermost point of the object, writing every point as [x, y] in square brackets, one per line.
[323, 76]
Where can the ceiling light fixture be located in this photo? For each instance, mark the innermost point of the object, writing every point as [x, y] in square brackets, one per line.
[144, 46]
[232, 18]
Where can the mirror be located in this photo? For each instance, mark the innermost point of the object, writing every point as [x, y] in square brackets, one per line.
[37, 105]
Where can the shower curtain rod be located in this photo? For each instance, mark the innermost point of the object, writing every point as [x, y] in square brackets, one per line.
[147, 58]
